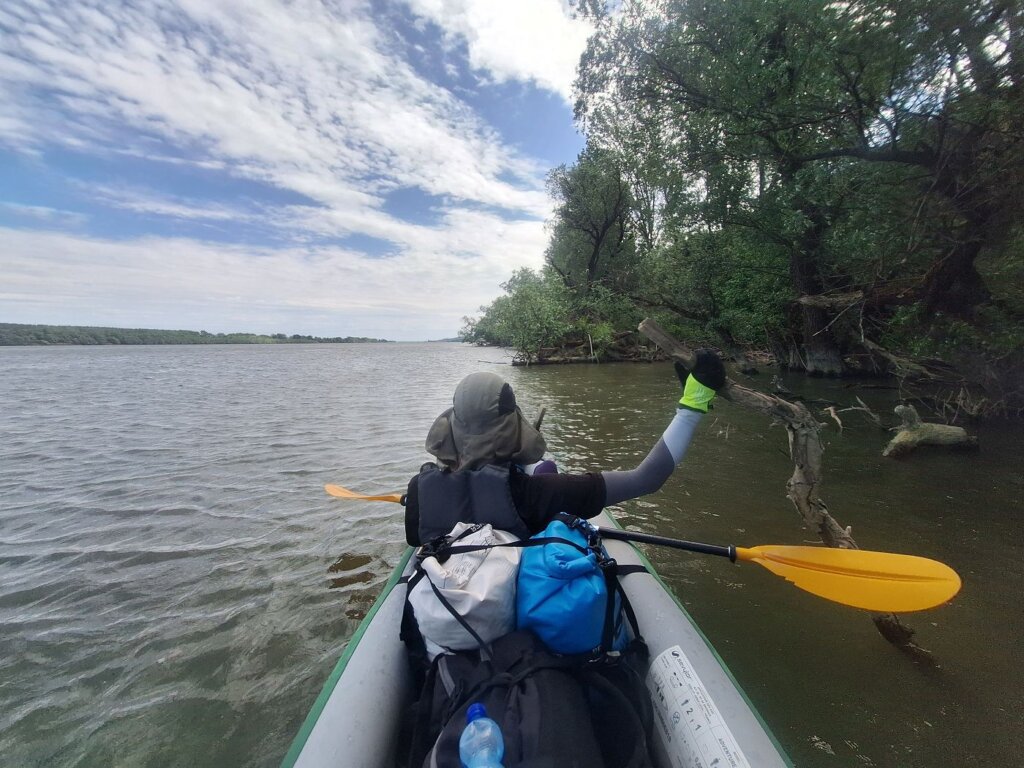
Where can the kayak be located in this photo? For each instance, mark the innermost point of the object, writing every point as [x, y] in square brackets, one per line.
[702, 717]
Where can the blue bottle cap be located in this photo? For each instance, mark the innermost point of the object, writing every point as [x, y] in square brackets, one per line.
[475, 711]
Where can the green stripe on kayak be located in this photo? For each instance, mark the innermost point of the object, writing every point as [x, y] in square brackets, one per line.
[321, 701]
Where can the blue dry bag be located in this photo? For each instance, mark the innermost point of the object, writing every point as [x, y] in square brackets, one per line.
[562, 591]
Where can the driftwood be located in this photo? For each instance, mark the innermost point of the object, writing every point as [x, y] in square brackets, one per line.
[806, 450]
[832, 302]
[915, 432]
[831, 411]
[863, 408]
[622, 348]
[901, 366]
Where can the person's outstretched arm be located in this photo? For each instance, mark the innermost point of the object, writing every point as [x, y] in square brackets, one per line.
[699, 388]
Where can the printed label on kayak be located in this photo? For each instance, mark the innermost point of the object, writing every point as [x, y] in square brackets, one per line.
[694, 732]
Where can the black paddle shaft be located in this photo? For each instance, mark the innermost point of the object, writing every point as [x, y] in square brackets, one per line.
[662, 541]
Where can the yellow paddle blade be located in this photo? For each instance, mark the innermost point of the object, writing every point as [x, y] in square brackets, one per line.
[875, 581]
[345, 493]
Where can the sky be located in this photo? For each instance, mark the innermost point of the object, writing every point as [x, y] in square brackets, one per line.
[321, 167]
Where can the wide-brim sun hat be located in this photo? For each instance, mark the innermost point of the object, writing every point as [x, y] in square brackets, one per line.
[484, 426]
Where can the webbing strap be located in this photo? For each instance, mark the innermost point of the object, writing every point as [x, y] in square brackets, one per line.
[630, 613]
[639, 756]
[626, 570]
[611, 570]
[484, 653]
[459, 549]
[511, 679]
[608, 630]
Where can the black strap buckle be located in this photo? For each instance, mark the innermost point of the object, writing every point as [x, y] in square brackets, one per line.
[436, 548]
[439, 548]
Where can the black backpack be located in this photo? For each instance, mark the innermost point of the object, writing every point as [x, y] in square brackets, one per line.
[554, 711]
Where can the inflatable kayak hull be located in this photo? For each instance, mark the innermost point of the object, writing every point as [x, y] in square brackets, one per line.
[701, 713]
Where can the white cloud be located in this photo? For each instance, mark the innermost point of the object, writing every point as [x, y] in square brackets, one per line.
[320, 290]
[305, 96]
[144, 201]
[43, 213]
[527, 40]
[301, 95]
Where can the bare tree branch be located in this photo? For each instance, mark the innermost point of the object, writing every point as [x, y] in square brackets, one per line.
[806, 450]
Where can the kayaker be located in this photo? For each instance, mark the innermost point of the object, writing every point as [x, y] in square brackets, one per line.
[483, 442]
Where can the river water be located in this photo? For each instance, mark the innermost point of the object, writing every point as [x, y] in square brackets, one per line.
[175, 586]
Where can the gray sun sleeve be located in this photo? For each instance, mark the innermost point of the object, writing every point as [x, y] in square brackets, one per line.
[654, 470]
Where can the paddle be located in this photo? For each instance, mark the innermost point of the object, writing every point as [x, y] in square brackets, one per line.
[345, 493]
[874, 581]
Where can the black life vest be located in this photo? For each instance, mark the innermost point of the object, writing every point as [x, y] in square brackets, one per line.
[438, 499]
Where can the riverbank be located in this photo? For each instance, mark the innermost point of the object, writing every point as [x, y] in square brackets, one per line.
[935, 386]
[625, 346]
[18, 335]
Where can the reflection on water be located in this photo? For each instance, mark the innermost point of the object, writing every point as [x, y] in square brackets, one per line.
[355, 570]
[175, 586]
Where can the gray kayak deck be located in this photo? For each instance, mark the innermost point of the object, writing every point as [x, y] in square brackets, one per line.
[701, 713]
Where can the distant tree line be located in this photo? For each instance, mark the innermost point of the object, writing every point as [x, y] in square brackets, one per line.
[12, 334]
[838, 183]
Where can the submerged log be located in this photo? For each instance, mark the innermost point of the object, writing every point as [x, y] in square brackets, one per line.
[915, 432]
[806, 450]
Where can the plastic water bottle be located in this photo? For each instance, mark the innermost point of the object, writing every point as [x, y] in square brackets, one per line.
[481, 744]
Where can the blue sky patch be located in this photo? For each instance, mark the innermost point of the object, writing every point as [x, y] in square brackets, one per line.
[373, 247]
[414, 205]
[237, 160]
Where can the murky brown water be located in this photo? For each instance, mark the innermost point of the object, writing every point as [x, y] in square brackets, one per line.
[175, 587]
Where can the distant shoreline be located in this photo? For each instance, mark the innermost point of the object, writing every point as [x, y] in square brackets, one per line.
[15, 334]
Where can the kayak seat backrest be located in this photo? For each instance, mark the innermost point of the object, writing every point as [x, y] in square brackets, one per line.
[469, 496]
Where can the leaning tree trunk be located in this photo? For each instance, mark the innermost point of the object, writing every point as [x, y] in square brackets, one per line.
[806, 450]
[821, 353]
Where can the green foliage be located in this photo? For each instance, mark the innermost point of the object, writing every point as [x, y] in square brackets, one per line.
[1000, 335]
[532, 314]
[779, 171]
[601, 336]
[538, 311]
[591, 241]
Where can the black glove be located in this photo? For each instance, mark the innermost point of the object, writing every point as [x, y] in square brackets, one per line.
[708, 370]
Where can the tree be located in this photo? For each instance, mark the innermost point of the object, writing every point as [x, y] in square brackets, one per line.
[533, 313]
[790, 118]
[591, 241]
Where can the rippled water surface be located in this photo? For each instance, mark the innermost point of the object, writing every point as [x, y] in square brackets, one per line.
[175, 586]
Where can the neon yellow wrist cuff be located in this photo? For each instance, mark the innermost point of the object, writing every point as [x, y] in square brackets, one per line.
[696, 396]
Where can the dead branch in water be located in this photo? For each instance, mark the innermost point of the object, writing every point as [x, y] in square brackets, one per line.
[806, 450]
[831, 411]
[863, 408]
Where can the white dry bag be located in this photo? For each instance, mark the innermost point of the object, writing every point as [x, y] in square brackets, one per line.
[480, 586]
